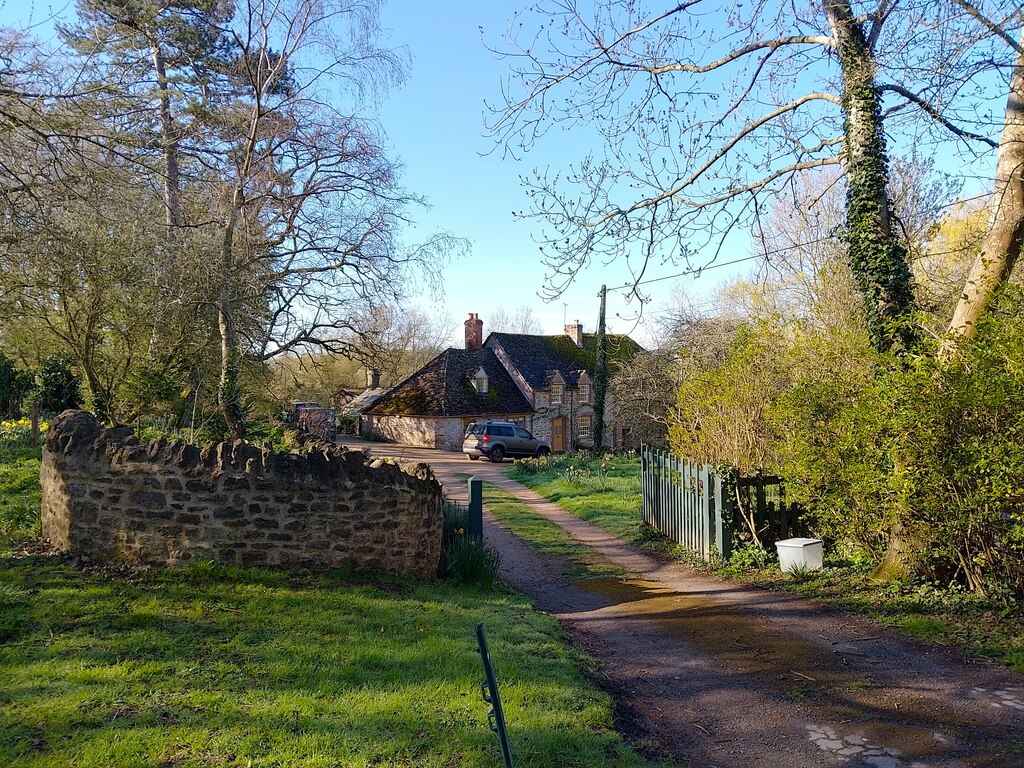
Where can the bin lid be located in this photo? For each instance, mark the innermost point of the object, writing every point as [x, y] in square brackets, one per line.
[797, 542]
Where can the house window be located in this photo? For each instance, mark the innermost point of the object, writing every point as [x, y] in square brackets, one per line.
[557, 391]
[585, 427]
[480, 382]
[584, 393]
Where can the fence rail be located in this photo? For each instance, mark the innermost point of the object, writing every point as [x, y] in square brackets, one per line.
[703, 508]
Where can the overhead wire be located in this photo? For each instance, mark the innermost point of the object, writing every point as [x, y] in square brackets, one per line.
[765, 254]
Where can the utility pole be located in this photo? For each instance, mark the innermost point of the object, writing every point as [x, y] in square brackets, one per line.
[600, 375]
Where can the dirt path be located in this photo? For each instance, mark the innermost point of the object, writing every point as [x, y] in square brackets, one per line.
[717, 674]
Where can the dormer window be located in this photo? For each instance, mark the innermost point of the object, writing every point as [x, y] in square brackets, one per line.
[584, 393]
[480, 382]
[557, 393]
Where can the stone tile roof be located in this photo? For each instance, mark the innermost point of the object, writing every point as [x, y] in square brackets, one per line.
[537, 358]
[443, 387]
[364, 400]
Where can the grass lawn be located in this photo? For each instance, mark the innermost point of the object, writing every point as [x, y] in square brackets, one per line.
[606, 492]
[546, 537]
[19, 495]
[218, 666]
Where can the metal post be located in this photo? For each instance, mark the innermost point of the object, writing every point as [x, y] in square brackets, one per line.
[489, 689]
[476, 509]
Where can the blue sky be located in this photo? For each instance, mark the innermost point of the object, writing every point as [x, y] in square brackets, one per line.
[436, 124]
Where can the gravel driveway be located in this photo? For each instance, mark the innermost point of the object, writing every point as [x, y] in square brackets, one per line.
[709, 672]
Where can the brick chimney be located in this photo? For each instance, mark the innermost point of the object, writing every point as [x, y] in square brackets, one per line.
[474, 332]
[575, 332]
[374, 379]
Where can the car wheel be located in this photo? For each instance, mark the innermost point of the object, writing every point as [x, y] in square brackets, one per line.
[471, 457]
[542, 452]
[497, 454]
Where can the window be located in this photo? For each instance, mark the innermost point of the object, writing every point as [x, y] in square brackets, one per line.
[585, 427]
[556, 393]
[522, 434]
[584, 393]
[480, 382]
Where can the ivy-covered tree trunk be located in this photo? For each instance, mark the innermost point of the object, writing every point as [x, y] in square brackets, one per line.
[877, 258]
[600, 375]
[1002, 245]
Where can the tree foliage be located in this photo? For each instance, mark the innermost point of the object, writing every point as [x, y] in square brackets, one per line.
[202, 175]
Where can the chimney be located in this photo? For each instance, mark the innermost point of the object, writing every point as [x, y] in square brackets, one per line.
[575, 332]
[374, 379]
[474, 332]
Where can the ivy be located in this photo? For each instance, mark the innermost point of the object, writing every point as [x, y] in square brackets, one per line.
[877, 258]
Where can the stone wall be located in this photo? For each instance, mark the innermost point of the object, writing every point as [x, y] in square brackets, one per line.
[112, 498]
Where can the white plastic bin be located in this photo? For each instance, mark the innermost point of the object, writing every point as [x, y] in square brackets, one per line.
[802, 554]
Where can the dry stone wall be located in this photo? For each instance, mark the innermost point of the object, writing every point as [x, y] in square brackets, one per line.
[110, 497]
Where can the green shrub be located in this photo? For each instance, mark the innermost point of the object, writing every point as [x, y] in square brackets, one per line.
[934, 452]
[472, 562]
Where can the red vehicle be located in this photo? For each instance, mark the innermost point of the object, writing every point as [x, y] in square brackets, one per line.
[316, 420]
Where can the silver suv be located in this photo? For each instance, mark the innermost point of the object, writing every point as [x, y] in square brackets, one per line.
[498, 439]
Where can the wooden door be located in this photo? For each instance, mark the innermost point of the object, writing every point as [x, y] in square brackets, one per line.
[558, 434]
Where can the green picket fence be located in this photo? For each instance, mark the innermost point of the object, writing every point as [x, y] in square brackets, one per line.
[703, 508]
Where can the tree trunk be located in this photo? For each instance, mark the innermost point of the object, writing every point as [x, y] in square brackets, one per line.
[600, 376]
[877, 258]
[97, 394]
[228, 396]
[1002, 244]
[172, 195]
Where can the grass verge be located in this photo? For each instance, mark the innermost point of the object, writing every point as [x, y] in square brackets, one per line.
[606, 492]
[222, 666]
[19, 495]
[546, 537]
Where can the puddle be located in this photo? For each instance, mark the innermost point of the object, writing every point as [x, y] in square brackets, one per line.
[859, 724]
[1002, 698]
[875, 745]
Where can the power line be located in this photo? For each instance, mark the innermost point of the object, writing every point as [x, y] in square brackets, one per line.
[766, 254]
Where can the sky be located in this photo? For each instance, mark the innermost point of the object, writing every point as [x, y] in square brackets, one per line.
[435, 126]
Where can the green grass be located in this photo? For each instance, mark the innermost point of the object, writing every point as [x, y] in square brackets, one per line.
[19, 495]
[604, 491]
[218, 666]
[223, 666]
[547, 537]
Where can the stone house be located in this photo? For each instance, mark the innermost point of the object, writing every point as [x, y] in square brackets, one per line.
[544, 383]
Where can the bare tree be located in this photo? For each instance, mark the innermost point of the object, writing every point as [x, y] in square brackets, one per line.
[703, 114]
[521, 320]
[312, 207]
[397, 342]
[1002, 245]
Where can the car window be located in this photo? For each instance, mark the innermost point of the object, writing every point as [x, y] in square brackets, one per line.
[520, 432]
[476, 429]
[502, 431]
